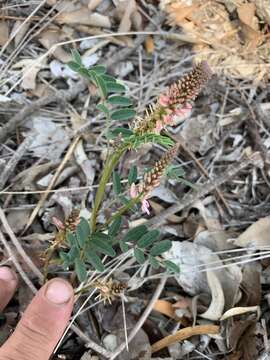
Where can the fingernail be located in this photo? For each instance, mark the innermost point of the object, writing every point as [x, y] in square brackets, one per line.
[59, 292]
[7, 274]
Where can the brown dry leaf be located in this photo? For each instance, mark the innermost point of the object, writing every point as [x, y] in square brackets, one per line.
[246, 13]
[30, 69]
[20, 30]
[251, 285]
[4, 33]
[256, 235]
[158, 208]
[84, 16]
[51, 37]
[184, 334]
[178, 12]
[263, 9]
[166, 308]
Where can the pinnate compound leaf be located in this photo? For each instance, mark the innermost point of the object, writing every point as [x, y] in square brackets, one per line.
[108, 78]
[139, 255]
[116, 183]
[66, 259]
[135, 234]
[148, 238]
[80, 270]
[126, 133]
[73, 253]
[123, 114]
[132, 175]
[115, 226]
[161, 247]
[103, 108]
[70, 238]
[119, 100]
[94, 260]
[171, 266]
[100, 83]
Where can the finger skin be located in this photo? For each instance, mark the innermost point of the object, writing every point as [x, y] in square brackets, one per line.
[7, 288]
[39, 330]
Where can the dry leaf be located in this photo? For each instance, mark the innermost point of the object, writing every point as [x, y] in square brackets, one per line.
[256, 235]
[50, 37]
[93, 4]
[216, 307]
[127, 7]
[166, 308]
[4, 33]
[178, 12]
[20, 29]
[239, 311]
[246, 13]
[149, 44]
[84, 16]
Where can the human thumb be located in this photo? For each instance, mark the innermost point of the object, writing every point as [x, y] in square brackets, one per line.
[42, 324]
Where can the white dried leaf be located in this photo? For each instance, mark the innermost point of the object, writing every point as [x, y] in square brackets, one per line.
[239, 311]
[56, 68]
[256, 235]
[50, 139]
[89, 60]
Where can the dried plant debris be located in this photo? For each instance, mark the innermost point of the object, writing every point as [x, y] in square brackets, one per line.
[216, 35]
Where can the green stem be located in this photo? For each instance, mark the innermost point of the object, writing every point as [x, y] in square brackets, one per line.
[110, 164]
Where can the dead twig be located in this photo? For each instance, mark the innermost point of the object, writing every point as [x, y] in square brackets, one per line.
[142, 319]
[203, 190]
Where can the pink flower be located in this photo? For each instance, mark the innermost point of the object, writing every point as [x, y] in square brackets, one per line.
[164, 100]
[145, 206]
[133, 191]
[167, 119]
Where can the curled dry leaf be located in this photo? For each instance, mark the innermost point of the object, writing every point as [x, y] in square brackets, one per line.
[184, 334]
[256, 235]
[166, 308]
[216, 307]
[239, 311]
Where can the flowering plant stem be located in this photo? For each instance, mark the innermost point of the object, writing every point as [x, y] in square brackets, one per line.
[110, 164]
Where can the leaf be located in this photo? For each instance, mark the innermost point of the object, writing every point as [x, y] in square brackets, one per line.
[135, 234]
[108, 78]
[74, 253]
[101, 85]
[119, 100]
[171, 266]
[85, 73]
[148, 238]
[94, 260]
[116, 183]
[66, 259]
[120, 130]
[123, 246]
[153, 262]
[70, 238]
[123, 114]
[76, 56]
[139, 255]
[82, 232]
[115, 226]
[73, 66]
[80, 269]
[98, 69]
[132, 174]
[114, 86]
[101, 107]
[102, 246]
[161, 247]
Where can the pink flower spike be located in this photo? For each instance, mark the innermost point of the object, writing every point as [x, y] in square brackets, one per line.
[188, 106]
[145, 206]
[163, 100]
[133, 191]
